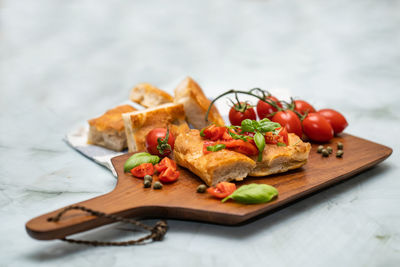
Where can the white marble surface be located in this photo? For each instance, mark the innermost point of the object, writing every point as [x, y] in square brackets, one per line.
[62, 62]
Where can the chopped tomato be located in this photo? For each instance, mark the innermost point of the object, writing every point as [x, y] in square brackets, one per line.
[164, 164]
[169, 175]
[213, 132]
[282, 137]
[222, 189]
[142, 170]
[241, 146]
[226, 135]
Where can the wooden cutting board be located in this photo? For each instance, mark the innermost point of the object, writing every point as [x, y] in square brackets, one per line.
[180, 200]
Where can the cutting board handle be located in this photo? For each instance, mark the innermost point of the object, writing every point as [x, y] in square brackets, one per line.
[75, 221]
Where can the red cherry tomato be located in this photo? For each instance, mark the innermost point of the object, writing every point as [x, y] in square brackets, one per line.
[142, 170]
[152, 141]
[213, 132]
[222, 189]
[169, 175]
[289, 120]
[239, 113]
[264, 109]
[164, 164]
[317, 128]
[282, 137]
[302, 107]
[241, 146]
[336, 119]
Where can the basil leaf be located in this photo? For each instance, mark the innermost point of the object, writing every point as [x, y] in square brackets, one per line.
[202, 132]
[140, 158]
[239, 136]
[247, 125]
[253, 194]
[260, 143]
[216, 147]
[268, 126]
[280, 144]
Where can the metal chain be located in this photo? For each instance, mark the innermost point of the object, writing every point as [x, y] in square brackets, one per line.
[156, 233]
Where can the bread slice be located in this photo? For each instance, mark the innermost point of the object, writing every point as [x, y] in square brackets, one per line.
[212, 168]
[139, 123]
[148, 95]
[277, 159]
[108, 130]
[196, 104]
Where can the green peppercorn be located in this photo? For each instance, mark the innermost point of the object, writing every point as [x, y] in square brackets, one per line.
[325, 153]
[330, 150]
[340, 145]
[339, 153]
[146, 184]
[319, 150]
[157, 185]
[201, 188]
[148, 177]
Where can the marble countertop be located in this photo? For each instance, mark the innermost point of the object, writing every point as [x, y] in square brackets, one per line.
[62, 62]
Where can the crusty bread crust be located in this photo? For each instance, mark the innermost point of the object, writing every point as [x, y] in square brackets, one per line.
[148, 95]
[196, 104]
[277, 159]
[108, 129]
[139, 123]
[212, 168]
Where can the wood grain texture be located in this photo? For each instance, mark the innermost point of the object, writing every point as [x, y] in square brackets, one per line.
[180, 200]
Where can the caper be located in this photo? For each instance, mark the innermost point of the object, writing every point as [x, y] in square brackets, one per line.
[330, 150]
[146, 184]
[325, 152]
[319, 150]
[148, 177]
[340, 145]
[157, 185]
[339, 153]
[201, 188]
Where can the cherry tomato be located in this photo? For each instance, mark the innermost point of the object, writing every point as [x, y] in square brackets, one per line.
[213, 132]
[241, 146]
[317, 128]
[302, 107]
[238, 113]
[164, 164]
[336, 119]
[282, 137]
[289, 120]
[222, 189]
[264, 109]
[142, 170]
[169, 175]
[152, 142]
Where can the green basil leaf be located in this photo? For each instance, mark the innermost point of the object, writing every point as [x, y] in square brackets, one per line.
[247, 125]
[260, 143]
[216, 147]
[240, 136]
[280, 144]
[140, 158]
[202, 132]
[253, 194]
[268, 126]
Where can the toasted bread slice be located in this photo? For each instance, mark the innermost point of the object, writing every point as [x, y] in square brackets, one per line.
[148, 95]
[108, 130]
[196, 104]
[212, 168]
[277, 159]
[139, 123]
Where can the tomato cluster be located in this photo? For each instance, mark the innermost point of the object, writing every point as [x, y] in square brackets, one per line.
[297, 117]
